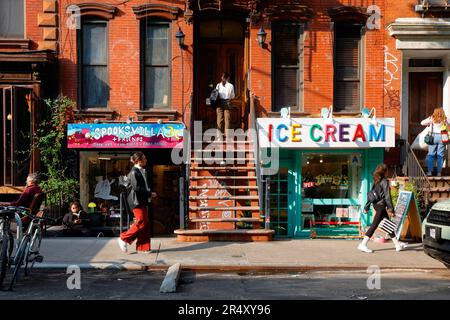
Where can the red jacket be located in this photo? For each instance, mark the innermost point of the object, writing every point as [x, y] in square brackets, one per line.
[27, 196]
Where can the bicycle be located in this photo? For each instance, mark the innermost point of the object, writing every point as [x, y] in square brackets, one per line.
[7, 238]
[28, 249]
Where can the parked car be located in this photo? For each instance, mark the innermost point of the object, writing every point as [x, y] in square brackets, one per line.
[436, 232]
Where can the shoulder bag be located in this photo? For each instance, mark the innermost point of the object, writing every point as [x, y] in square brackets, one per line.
[429, 139]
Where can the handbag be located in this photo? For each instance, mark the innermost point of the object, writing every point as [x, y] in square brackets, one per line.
[444, 134]
[429, 139]
[213, 98]
[373, 196]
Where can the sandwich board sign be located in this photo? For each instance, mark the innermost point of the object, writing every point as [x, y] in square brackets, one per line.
[407, 217]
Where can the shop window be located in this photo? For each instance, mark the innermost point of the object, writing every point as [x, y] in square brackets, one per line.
[331, 185]
[279, 202]
[156, 64]
[93, 57]
[12, 24]
[15, 125]
[287, 59]
[347, 67]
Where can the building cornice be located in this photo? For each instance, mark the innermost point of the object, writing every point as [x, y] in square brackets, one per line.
[97, 9]
[419, 28]
[156, 11]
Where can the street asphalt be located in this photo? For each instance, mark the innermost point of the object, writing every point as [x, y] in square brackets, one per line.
[142, 285]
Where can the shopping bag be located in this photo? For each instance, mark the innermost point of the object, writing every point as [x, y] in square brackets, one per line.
[419, 141]
[387, 226]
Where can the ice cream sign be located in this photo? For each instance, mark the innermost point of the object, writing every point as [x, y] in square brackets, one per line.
[326, 133]
[118, 135]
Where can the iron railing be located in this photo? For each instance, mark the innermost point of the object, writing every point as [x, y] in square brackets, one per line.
[414, 171]
[432, 5]
[253, 127]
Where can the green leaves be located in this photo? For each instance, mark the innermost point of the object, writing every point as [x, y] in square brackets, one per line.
[50, 141]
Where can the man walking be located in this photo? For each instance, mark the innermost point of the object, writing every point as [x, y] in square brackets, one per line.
[226, 93]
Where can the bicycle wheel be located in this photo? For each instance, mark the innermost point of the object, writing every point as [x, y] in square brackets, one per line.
[4, 256]
[19, 259]
[33, 252]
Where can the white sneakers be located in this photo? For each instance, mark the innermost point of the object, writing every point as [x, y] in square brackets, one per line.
[363, 248]
[123, 245]
[222, 163]
[399, 246]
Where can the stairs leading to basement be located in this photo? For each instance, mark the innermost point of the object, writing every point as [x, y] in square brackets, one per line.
[223, 197]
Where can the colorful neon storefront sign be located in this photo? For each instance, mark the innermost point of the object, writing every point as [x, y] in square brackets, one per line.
[319, 132]
[118, 135]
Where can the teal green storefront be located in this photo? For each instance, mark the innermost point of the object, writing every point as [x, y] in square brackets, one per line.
[322, 192]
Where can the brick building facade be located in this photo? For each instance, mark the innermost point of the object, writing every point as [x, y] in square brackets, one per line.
[121, 62]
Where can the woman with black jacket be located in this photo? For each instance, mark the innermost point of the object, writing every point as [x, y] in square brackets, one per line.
[138, 201]
[382, 188]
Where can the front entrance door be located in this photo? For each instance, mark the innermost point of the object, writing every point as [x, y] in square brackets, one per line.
[425, 94]
[218, 54]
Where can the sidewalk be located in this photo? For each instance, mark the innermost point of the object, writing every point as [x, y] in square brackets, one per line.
[104, 253]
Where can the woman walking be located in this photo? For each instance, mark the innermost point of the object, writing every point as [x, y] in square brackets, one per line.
[383, 201]
[438, 122]
[138, 200]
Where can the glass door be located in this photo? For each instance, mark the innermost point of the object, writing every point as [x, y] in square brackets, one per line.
[331, 193]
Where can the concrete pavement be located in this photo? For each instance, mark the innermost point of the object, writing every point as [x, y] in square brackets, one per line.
[104, 253]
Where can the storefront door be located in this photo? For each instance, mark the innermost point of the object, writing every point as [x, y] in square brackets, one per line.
[331, 192]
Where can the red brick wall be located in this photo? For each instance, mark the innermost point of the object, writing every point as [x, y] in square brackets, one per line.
[318, 60]
[124, 60]
[32, 31]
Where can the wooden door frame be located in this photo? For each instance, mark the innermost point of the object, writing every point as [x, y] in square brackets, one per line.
[198, 18]
[406, 111]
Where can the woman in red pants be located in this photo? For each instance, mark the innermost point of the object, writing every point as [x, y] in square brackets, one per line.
[138, 200]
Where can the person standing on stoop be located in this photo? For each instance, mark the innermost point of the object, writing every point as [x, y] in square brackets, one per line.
[383, 200]
[226, 94]
[138, 201]
[438, 123]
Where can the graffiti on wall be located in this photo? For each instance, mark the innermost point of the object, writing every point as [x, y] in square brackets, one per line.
[391, 70]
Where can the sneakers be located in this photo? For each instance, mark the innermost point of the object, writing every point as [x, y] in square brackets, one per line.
[144, 251]
[222, 163]
[438, 175]
[123, 245]
[362, 247]
[429, 174]
[401, 246]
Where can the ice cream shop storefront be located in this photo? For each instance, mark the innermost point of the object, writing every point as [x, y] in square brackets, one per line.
[104, 152]
[324, 172]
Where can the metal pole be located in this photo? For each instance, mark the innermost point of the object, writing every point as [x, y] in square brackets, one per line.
[182, 211]
[267, 224]
[121, 212]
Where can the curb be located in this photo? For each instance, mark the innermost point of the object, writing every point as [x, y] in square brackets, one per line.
[228, 269]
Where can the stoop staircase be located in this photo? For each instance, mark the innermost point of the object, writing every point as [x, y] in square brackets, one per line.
[433, 189]
[224, 202]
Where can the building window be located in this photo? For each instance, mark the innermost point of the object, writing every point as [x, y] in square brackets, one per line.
[12, 23]
[347, 67]
[15, 125]
[93, 59]
[155, 82]
[287, 66]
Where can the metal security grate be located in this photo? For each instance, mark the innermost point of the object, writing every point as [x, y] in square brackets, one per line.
[439, 217]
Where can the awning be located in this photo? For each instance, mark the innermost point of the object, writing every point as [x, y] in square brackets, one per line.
[125, 136]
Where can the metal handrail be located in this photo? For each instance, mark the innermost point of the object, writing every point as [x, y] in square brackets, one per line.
[435, 3]
[253, 127]
[415, 172]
